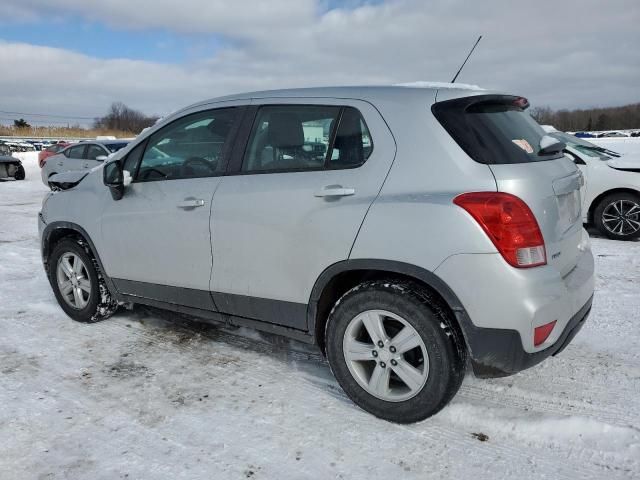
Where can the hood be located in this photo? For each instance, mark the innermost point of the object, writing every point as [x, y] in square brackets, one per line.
[628, 162]
[9, 159]
[67, 180]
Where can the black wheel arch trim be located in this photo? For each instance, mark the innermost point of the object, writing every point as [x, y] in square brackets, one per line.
[393, 267]
[46, 249]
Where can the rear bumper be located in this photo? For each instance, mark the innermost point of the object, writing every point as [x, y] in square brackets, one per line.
[499, 352]
[501, 306]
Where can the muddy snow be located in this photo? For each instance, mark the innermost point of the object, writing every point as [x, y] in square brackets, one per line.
[149, 395]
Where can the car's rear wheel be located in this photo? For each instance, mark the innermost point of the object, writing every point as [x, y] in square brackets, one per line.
[77, 284]
[395, 351]
[617, 216]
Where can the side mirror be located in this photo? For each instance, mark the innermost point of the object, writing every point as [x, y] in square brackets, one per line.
[101, 158]
[113, 177]
[549, 145]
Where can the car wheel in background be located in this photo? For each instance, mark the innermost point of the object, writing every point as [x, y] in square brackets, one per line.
[617, 216]
[395, 351]
[20, 173]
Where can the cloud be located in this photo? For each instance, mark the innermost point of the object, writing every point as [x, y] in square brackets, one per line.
[552, 52]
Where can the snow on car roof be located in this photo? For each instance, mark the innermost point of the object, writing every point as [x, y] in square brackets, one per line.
[439, 85]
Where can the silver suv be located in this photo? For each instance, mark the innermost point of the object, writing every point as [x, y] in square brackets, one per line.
[403, 230]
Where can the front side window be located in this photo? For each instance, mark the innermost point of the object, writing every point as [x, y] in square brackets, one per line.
[95, 151]
[190, 147]
[306, 137]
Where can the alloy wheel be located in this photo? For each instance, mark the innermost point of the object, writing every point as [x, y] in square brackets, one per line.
[73, 280]
[386, 355]
[622, 217]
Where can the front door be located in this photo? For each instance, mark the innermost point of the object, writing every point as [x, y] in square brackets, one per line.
[156, 238]
[293, 203]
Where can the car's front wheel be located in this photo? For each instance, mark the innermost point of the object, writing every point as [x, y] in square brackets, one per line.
[617, 216]
[77, 284]
[395, 351]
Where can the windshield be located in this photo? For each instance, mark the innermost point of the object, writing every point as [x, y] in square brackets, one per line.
[582, 146]
[493, 129]
[114, 147]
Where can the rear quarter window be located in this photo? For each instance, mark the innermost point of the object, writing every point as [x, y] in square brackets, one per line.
[493, 129]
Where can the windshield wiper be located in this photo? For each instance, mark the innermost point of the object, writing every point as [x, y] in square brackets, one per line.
[602, 150]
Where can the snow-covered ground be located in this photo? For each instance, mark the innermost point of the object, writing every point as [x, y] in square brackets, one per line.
[146, 395]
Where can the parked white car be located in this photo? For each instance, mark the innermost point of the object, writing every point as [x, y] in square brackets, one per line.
[611, 194]
[80, 156]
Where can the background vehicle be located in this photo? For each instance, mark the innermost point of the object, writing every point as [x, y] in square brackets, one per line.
[611, 195]
[5, 150]
[408, 247]
[50, 151]
[80, 156]
[11, 167]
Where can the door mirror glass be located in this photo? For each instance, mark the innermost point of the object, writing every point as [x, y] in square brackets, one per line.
[113, 177]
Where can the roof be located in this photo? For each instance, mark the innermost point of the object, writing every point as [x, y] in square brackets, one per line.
[363, 92]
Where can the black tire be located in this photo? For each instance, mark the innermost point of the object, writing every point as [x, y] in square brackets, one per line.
[605, 207]
[433, 323]
[100, 305]
[20, 173]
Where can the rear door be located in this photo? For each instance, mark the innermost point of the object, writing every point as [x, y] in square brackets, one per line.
[496, 130]
[293, 202]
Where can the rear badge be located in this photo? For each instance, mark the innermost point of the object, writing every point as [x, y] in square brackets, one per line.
[523, 144]
[556, 255]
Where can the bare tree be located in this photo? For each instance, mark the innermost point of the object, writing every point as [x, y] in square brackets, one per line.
[125, 119]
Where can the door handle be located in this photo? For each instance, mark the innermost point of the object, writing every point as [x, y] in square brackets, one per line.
[335, 191]
[60, 164]
[85, 165]
[189, 203]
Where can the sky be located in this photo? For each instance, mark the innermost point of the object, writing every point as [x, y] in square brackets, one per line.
[68, 60]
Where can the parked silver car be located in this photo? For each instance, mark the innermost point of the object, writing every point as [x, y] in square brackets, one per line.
[433, 225]
[80, 156]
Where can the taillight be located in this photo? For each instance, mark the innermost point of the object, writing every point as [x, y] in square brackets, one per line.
[510, 225]
[541, 333]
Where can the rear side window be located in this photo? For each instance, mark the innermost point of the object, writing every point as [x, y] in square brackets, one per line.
[493, 129]
[306, 137]
[75, 152]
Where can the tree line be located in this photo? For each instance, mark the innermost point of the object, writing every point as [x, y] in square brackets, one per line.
[590, 119]
[124, 119]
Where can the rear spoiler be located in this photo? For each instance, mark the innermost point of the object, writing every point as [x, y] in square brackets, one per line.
[66, 180]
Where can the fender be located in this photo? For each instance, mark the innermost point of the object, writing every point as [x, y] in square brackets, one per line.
[390, 266]
[48, 232]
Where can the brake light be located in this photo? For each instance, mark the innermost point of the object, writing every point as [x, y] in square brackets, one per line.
[510, 225]
[541, 333]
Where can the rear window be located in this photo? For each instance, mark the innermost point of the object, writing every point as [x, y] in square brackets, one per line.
[55, 148]
[493, 129]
